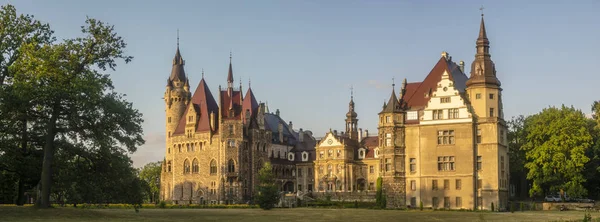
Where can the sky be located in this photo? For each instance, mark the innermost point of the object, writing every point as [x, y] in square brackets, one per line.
[302, 56]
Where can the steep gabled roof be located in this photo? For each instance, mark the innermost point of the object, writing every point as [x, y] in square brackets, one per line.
[204, 103]
[393, 104]
[232, 102]
[415, 92]
[249, 103]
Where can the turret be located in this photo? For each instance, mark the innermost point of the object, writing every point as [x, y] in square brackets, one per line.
[177, 94]
[351, 120]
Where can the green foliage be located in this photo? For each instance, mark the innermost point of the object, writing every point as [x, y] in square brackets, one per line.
[268, 193]
[521, 207]
[379, 195]
[58, 97]
[150, 175]
[557, 139]
[162, 204]
[587, 217]
[421, 205]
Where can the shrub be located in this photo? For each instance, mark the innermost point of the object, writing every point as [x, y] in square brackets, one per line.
[587, 217]
[162, 204]
[521, 207]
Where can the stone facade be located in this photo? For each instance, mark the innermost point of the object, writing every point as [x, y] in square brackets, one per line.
[215, 149]
[440, 142]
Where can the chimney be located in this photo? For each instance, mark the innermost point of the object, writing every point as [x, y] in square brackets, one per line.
[462, 66]
[335, 132]
[212, 120]
[300, 135]
[291, 126]
[277, 112]
[280, 129]
[360, 134]
[366, 133]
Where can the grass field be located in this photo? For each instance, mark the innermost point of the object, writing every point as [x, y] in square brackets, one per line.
[12, 213]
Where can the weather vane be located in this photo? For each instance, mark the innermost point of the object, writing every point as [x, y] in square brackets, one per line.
[481, 9]
[393, 82]
[351, 91]
[177, 38]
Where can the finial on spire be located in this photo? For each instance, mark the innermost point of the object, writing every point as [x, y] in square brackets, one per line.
[177, 38]
[249, 82]
[230, 55]
[203, 73]
[481, 9]
[351, 92]
[393, 82]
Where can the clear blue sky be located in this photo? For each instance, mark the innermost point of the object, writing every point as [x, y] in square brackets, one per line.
[302, 56]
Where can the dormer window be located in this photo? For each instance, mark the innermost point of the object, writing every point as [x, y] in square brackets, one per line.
[291, 156]
[376, 153]
[304, 156]
[361, 153]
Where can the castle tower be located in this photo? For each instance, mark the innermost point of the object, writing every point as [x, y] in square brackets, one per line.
[177, 93]
[485, 96]
[351, 120]
[391, 142]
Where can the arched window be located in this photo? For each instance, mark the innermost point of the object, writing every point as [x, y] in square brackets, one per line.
[200, 146]
[231, 166]
[195, 166]
[179, 145]
[213, 167]
[329, 169]
[186, 166]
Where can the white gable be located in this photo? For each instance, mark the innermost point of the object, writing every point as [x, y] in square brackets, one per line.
[329, 140]
[447, 100]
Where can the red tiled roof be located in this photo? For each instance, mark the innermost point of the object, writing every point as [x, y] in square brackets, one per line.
[415, 92]
[370, 143]
[249, 103]
[227, 102]
[204, 103]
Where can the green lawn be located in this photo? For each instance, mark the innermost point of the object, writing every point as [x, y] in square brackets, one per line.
[11, 213]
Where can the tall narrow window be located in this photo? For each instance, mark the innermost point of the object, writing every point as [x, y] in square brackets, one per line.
[458, 184]
[213, 167]
[186, 166]
[479, 184]
[388, 139]
[491, 96]
[501, 136]
[458, 202]
[231, 166]
[231, 129]
[195, 166]
[413, 185]
[445, 100]
[434, 202]
[491, 112]
[502, 166]
[478, 135]
[446, 202]
[478, 166]
[434, 185]
[388, 164]
[413, 165]
[446, 184]
[478, 96]
[169, 166]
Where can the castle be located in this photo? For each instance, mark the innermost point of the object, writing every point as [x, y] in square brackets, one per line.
[440, 143]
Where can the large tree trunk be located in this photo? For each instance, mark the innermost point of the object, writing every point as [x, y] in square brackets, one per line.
[23, 153]
[48, 158]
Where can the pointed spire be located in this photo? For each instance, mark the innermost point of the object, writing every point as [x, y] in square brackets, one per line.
[230, 74]
[177, 72]
[483, 70]
[393, 104]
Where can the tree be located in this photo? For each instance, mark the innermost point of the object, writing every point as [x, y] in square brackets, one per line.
[380, 199]
[268, 194]
[19, 155]
[557, 140]
[75, 99]
[150, 174]
[516, 138]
